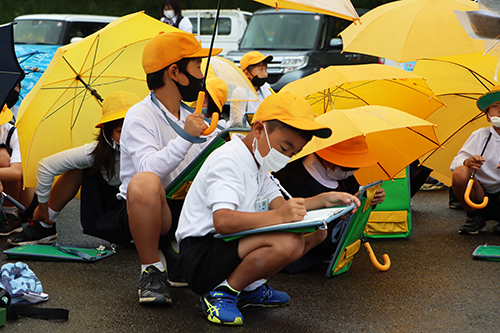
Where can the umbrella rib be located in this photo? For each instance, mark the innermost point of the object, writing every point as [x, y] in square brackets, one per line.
[111, 62]
[71, 99]
[436, 143]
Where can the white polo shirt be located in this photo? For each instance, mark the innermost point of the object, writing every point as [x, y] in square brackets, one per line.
[229, 179]
[14, 142]
[149, 144]
[488, 175]
[239, 108]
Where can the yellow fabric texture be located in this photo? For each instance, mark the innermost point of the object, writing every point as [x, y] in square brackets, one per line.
[387, 222]
[347, 255]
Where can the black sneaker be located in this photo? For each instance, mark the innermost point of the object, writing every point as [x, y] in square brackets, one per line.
[153, 287]
[496, 229]
[174, 275]
[433, 184]
[473, 225]
[34, 233]
[10, 224]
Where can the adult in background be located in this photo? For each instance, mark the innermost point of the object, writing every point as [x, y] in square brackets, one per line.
[170, 12]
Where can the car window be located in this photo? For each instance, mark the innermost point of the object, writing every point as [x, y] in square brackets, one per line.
[82, 29]
[38, 32]
[281, 32]
[207, 26]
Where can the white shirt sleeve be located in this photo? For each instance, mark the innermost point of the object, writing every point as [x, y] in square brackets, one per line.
[143, 148]
[469, 149]
[16, 150]
[57, 164]
[237, 109]
[186, 25]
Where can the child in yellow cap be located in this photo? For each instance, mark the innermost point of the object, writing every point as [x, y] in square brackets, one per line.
[329, 169]
[215, 99]
[160, 138]
[254, 65]
[233, 192]
[96, 168]
[471, 158]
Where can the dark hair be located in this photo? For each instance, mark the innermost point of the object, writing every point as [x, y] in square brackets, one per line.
[211, 107]
[171, 3]
[155, 80]
[104, 154]
[276, 124]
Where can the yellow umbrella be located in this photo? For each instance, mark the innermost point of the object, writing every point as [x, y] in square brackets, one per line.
[458, 81]
[345, 87]
[394, 137]
[232, 76]
[61, 111]
[338, 8]
[411, 29]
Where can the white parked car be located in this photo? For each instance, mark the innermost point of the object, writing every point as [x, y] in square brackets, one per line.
[232, 25]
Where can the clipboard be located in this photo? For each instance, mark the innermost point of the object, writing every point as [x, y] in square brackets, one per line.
[58, 252]
[315, 219]
[487, 252]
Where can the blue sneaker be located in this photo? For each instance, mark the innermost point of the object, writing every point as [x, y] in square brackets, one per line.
[263, 296]
[220, 308]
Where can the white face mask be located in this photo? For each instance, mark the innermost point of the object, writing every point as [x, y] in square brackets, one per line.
[495, 121]
[338, 173]
[273, 161]
[169, 14]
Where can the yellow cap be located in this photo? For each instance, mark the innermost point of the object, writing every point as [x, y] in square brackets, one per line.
[291, 110]
[5, 115]
[491, 97]
[116, 106]
[351, 153]
[167, 48]
[218, 90]
[253, 58]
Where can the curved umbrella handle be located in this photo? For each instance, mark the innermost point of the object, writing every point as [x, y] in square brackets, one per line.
[373, 259]
[215, 115]
[467, 199]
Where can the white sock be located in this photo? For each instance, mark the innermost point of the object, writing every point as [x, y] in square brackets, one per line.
[45, 225]
[254, 285]
[53, 215]
[158, 265]
[10, 210]
[226, 284]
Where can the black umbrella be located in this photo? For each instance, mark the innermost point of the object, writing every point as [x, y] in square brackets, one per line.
[10, 71]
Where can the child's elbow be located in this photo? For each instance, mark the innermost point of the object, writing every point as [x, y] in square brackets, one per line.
[221, 221]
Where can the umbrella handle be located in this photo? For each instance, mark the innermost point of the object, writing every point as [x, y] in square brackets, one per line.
[373, 259]
[215, 115]
[467, 199]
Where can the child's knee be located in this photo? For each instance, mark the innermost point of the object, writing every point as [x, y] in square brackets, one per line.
[461, 175]
[291, 246]
[144, 185]
[4, 158]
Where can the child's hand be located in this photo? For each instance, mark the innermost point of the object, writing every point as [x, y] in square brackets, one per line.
[475, 162]
[379, 196]
[340, 198]
[292, 210]
[195, 124]
[1, 187]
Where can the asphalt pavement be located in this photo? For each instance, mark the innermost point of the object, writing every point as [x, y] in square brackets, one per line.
[434, 284]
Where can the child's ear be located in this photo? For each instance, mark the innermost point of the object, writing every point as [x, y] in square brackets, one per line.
[173, 72]
[257, 128]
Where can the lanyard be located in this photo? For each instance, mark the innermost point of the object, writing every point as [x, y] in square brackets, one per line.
[179, 130]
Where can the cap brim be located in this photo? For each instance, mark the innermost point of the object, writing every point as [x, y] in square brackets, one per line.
[111, 117]
[204, 52]
[486, 100]
[348, 159]
[5, 116]
[317, 129]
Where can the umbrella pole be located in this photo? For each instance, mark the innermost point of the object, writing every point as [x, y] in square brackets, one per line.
[467, 199]
[201, 94]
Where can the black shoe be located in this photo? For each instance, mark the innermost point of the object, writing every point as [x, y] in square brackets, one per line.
[496, 229]
[34, 233]
[433, 184]
[153, 287]
[473, 225]
[174, 275]
[10, 224]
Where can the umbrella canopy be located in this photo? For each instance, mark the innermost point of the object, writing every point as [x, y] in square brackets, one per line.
[10, 71]
[233, 76]
[338, 8]
[345, 87]
[394, 137]
[407, 30]
[61, 111]
[458, 81]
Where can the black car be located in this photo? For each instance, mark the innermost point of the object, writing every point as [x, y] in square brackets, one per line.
[300, 42]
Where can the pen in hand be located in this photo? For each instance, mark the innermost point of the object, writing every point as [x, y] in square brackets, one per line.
[277, 182]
